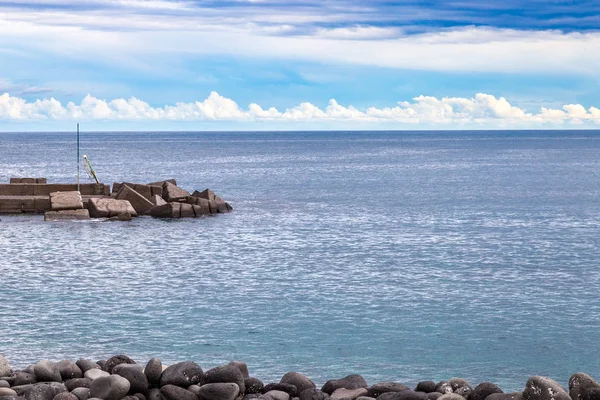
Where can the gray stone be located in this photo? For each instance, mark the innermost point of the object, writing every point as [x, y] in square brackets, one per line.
[85, 365]
[139, 203]
[443, 387]
[82, 393]
[4, 384]
[65, 201]
[219, 391]
[483, 390]
[365, 398]
[172, 392]
[278, 395]
[349, 382]
[65, 396]
[300, 381]
[108, 208]
[404, 395]
[456, 383]
[154, 394]
[464, 391]
[5, 368]
[94, 374]
[139, 396]
[290, 389]
[541, 388]
[434, 395]
[4, 391]
[194, 389]
[254, 386]
[40, 391]
[581, 383]
[182, 374]
[386, 387]
[68, 370]
[451, 396]
[24, 378]
[425, 387]
[135, 375]
[505, 396]
[153, 370]
[116, 360]
[242, 366]
[225, 374]
[77, 383]
[66, 215]
[350, 394]
[111, 387]
[47, 371]
[313, 394]
[173, 193]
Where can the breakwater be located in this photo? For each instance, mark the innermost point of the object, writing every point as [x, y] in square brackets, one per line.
[162, 199]
[121, 378]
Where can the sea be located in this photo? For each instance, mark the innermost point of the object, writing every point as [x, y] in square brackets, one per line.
[401, 256]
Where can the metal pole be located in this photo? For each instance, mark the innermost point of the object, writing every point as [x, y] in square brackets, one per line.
[78, 189]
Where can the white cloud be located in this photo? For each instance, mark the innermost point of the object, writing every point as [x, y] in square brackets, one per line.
[482, 110]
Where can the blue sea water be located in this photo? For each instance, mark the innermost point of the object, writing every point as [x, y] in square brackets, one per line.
[398, 255]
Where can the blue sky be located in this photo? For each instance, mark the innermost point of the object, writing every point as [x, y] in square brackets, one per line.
[332, 64]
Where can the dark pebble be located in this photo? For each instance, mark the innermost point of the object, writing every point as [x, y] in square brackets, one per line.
[483, 390]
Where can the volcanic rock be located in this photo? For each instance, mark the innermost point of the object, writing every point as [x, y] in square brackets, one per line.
[349, 382]
[483, 390]
[300, 381]
[182, 374]
[254, 386]
[542, 388]
[225, 374]
[172, 392]
[134, 374]
[219, 391]
[47, 371]
[111, 387]
[68, 370]
[153, 370]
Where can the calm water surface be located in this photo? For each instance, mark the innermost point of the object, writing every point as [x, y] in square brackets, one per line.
[400, 256]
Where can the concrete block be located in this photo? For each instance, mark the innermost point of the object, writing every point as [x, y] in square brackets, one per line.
[161, 183]
[158, 200]
[65, 201]
[171, 192]
[28, 180]
[168, 210]
[187, 211]
[66, 215]
[141, 204]
[202, 204]
[207, 194]
[107, 207]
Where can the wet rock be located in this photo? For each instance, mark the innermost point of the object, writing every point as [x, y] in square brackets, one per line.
[172, 192]
[23, 378]
[153, 370]
[443, 387]
[82, 393]
[225, 374]
[116, 360]
[313, 394]
[350, 394]
[349, 382]
[242, 367]
[425, 387]
[65, 396]
[94, 374]
[483, 390]
[134, 374]
[254, 386]
[47, 371]
[541, 388]
[77, 383]
[5, 368]
[65, 201]
[85, 365]
[301, 382]
[505, 396]
[172, 392]
[111, 387]
[581, 383]
[290, 389]
[278, 395]
[219, 391]
[182, 374]
[385, 387]
[68, 370]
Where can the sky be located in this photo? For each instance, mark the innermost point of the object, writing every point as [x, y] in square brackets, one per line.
[313, 64]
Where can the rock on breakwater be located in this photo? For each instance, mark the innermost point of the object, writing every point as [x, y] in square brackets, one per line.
[122, 378]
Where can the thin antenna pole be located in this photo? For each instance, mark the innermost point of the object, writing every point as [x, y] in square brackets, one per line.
[78, 188]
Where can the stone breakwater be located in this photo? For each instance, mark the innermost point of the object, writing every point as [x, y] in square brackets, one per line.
[121, 378]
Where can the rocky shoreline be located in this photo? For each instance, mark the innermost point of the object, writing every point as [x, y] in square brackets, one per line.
[121, 378]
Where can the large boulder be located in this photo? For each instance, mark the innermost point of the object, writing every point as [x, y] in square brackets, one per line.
[68, 370]
[116, 360]
[171, 192]
[23, 378]
[176, 210]
[139, 203]
[349, 382]
[313, 394]
[66, 215]
[207, 207]
[85, 365]
[182, 374]
[153, 370]
[5, 368]
[95, 373]
[75, 383]
[148, 191]
[65, 201]
[300, 381]
[483, 390]
[135, 375]
[172, 392]
[242, 366]
[101, 207]
[207, 194]
[278, 395]
[81, 393]
[161, 183]
[542, 388]
[349, 394]
[112, 387]
[219, 391]
[580, 385]
[47, 371]
[40, 391]
[385, 387]
[225, 374]
[425, 387]
[288, 388]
